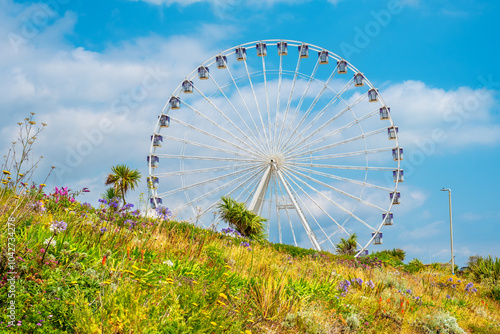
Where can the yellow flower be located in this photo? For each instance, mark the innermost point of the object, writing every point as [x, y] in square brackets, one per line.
[43, 185]
[194, 304]
[21, 175]
[248, 332]
[32, 122]
[221, 303]
[16, 197]
[6, 172]
[4, 181]
[223, 295]
[213, 323]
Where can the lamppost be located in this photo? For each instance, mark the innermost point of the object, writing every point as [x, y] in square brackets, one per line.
[451, 233]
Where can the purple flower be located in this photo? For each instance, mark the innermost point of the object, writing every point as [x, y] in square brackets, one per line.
[408, 291]
[474, 290]
[58, 227]
[103, 201]
[448, 296]
[370, 284]
[163, 213]
[103, 230]
[38, 324]
[468, 286]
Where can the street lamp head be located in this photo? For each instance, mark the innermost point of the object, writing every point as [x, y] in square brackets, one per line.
[445, 189]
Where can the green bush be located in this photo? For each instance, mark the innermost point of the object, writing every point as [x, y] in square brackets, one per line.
[481, 268]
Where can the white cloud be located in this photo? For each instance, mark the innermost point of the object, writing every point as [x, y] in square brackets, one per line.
[451, 118]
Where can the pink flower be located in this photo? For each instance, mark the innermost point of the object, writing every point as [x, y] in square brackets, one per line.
[42, 250]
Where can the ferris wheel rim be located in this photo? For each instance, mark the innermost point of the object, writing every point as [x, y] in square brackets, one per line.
[251, 45]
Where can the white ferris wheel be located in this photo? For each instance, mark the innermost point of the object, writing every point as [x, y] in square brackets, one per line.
[291, 129]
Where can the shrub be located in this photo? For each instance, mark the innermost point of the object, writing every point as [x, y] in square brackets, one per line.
[441, 323]
[481, 268]
[243, 220]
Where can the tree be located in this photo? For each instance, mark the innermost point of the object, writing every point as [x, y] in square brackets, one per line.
[123, 179]
[243, 220]
[347, 247]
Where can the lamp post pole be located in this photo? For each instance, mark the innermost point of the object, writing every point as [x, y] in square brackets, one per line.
[451, 233]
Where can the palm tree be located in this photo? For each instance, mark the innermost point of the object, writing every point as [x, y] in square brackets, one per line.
[243, 220]
[123, 179]
[347, 247]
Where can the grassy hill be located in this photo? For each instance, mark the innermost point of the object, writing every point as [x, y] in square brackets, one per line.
[68, 267]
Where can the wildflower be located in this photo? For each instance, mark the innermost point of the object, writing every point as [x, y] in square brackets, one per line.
[38, 324]
[6, 172]
[85, 190]
[163, 213]
[21, 175]
[474, 290]
[448, 296]
[213, 323]
[223, 295]
[408, 291]
[58, 227]
[103, 201]
[168, 263]
[42, 250]
[49, 242]
[42, 185]
[468, 286]
[104, 260]
[370, 284]
[450, 279]
[103, 230]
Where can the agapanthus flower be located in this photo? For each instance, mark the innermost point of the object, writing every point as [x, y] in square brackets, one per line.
[163, 213]
[58, 227]
[370, 284]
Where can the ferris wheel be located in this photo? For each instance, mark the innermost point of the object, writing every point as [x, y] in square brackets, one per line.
[291, 129]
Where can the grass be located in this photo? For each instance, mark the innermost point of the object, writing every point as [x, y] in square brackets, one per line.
[112, 270]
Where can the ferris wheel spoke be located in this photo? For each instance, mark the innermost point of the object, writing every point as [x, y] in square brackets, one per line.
[257, 104]
[345, 179]
[202, 170]
[246, 107]
[278, 98]
[267, 98]
[221, 112]
[289, 101]
[214, 191]
[333, 202]
[292, 195]
[199, 157]
[239, 115]
[319, 206]
[311, 214]
[209, 147]
[297, 144]
[344, 155]
[304, 93]
[340, 166]
[337, 96]
[339, 143]
[252, 152]
[198, 184]
[220, 127]
[211, 206]
[345, 193]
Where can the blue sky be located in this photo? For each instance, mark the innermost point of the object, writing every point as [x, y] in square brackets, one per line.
[435, 63]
